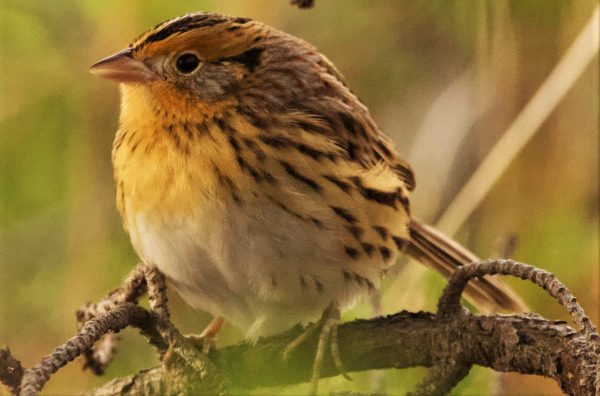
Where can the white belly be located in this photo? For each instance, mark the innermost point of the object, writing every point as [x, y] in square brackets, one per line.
[260, 268]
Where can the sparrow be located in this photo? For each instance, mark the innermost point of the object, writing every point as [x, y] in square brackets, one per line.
[252, 176]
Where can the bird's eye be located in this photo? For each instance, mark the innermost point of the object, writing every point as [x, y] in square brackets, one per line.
[187, 63]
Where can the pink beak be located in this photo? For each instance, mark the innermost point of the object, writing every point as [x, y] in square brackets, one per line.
[122, 68]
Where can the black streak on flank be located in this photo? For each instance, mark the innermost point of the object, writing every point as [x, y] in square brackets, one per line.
[385, 253]
[247, 168]
[400, 243]
[234, 143]
[368, 248]
[344, 214]
[252, 146]
[318, 223]
[303, 282]
[369, 284]
[356, 231]
[382, 231]
[360, 280]
[351, 252]
[318, 285]
[250, 58]
[269, 178]
[294, 173]
[347, 276]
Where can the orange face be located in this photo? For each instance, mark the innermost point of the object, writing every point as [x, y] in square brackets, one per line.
[202, 57]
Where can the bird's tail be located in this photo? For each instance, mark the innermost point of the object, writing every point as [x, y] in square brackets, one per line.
[435, 250]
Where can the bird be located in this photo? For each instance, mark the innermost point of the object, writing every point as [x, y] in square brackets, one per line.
[253, 177]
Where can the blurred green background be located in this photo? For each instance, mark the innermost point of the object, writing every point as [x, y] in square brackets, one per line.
[443, 78]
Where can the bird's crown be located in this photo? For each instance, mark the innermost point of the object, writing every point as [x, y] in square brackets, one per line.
[212, 36]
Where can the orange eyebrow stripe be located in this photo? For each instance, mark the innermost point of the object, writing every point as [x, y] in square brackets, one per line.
[184, 24]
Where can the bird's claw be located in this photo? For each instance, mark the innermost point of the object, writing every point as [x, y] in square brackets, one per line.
[204, 343]
[328, 324]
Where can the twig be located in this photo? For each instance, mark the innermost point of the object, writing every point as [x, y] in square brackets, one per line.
[450, 300]
[145, 279]
[123, 315]
[158, 303]
[99, 356]
[446, 373]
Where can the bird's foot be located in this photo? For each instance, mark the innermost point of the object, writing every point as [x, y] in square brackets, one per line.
[204, 343]
[328, 325]
[206, 340]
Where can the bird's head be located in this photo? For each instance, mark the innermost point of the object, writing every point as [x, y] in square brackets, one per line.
[197, 58]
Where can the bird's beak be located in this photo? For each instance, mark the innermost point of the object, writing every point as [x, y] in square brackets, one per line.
[122, 68]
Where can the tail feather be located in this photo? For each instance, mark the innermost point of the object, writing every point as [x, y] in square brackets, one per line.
[441, 253]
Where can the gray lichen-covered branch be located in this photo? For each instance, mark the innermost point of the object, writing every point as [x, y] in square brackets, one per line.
[448, 342]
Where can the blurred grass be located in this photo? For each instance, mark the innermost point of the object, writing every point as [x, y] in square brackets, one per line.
[61, 241]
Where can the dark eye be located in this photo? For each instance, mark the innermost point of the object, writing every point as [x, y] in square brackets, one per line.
[187, 63]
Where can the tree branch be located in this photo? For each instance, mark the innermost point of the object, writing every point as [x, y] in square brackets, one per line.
[124, 315]
[525, 344]
[449, 342]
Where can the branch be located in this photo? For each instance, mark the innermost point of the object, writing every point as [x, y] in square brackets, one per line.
[122, 316]
[525, 344]
[449, 342]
